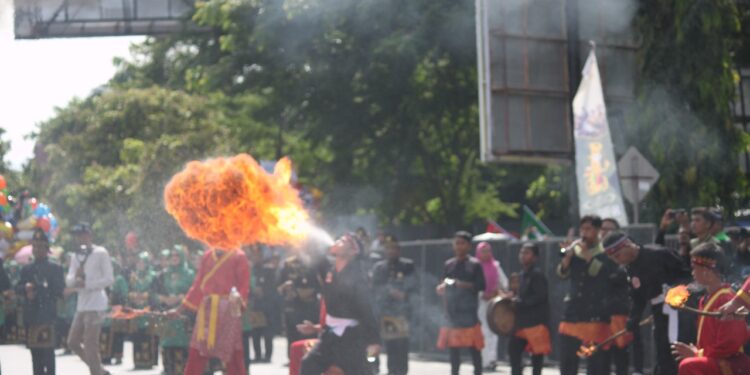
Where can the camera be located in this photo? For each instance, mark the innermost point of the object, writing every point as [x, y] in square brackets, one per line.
[675, 212]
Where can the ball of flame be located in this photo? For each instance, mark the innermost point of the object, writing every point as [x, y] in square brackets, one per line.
[677, 296]
[586, 351]
[229, 202]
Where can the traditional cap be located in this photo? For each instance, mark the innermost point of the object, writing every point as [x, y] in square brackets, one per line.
[614, 242]
[40, 236]
[81, 228]
[463, 234]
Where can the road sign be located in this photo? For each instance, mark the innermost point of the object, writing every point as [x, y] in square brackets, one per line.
[637, 177]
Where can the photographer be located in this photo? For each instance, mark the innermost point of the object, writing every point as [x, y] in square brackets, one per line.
[89, 274]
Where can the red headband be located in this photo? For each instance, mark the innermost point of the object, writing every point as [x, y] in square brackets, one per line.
[615, 247]
[703, 261]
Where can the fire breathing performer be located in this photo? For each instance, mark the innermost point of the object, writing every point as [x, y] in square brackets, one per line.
[649, 268]
[217, 296]
[719, 346]
[351, 333]
[463, 279]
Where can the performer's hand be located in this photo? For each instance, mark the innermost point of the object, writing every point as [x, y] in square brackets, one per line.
[373, 350]
[681, 351]
[174, 313]
[440, 289]
[307, 328]
[729, 309]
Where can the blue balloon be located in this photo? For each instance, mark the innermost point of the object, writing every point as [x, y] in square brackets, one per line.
[41, 210]
[52, 221]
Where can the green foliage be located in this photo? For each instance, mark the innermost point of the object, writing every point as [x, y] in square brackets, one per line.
[682, 120]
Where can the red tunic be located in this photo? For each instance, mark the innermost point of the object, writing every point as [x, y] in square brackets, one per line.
[217, 333]
[719, 341]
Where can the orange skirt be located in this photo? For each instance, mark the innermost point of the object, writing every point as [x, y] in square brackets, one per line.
[616, 324]
[461, 338]
[588, 332]
[537, 339]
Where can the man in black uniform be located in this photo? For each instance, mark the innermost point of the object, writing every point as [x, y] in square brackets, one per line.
[586, 318]
[41, 284]
[261, 305]
[350, 333]
[648, 269]
[394, 282]
[299, 286]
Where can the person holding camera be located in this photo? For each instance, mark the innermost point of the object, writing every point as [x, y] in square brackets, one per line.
[90, 273]
[41, 285]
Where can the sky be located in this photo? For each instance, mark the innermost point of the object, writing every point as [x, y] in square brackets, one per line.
[36, 76]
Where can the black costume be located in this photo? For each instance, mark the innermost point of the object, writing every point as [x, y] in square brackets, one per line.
[347, 296]
[389, 277]
[532, 309]
[301, 301]
[654, 267]
[40, 312]
[262, 307]
[586, 311]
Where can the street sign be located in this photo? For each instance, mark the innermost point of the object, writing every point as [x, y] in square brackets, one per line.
[637, 177]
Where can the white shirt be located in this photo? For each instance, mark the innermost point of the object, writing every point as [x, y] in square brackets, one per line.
[99, 275]
[339, 325]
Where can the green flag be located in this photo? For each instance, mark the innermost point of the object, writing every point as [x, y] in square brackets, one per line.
[531, 227]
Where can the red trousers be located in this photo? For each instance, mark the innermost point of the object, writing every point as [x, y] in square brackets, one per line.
[699, 366]
[196, 363]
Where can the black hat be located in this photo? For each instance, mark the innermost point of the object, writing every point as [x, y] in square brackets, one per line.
[81, 228]
[39, 235]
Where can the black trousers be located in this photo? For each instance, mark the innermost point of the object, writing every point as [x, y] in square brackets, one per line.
[476, 359]
[262, 335]
[637, 348]
[43, 361]
[665, 362]
[348, 352]
[174, 359]
[597, 364]
[398, 356]
[620, 357]
[516, 347]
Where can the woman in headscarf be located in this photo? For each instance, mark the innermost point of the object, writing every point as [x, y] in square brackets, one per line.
[141, 296]
[174, 283]
[495, 281]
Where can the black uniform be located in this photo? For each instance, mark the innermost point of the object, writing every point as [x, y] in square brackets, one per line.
[389, 276]
[619, 308]
[586, 302]
[301, 302]
[462, 304]
[262, 305]
[654, 267]
[347, 296]
[40, 312]
[532, 309]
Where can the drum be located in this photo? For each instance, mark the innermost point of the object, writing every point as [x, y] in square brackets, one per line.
[501, 316]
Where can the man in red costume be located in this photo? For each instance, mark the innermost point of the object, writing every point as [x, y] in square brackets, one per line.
[719, 344]
[218, 327]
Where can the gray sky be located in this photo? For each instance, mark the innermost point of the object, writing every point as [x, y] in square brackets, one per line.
[38, 75]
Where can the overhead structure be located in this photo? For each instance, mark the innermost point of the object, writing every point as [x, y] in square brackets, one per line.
[86, 18]
[530, 55]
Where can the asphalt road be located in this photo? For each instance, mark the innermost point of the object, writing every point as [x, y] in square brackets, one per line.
[16, 360]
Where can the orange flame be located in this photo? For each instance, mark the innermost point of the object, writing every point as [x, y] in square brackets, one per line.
[586, 351]
[677, 296]
[229, 202]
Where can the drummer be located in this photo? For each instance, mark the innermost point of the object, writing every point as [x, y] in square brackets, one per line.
[463, 279]
[532, 314]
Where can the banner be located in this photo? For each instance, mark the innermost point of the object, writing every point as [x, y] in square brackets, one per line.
[531, 227]
[596, 168]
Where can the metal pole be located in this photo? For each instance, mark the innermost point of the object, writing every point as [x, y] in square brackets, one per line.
[574, 78]
[636, 179]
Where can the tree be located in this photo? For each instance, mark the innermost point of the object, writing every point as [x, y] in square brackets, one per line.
[682, 120]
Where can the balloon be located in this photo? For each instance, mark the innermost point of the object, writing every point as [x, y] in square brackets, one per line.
[23, 256]
[27, 224]
[33, 203]
[6, 230]
[25, 235]
[41, 210]
[3, 184]
[52, 221]
[3, 200]
[44, 223]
